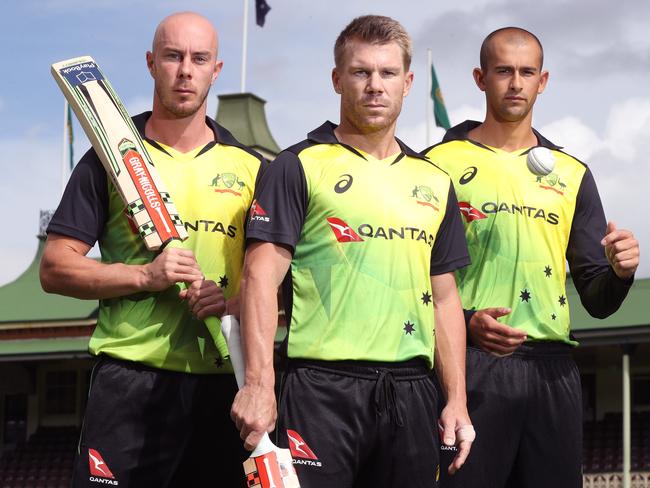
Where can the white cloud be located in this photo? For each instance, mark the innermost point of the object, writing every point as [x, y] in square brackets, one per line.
[577, 138]
[628, 128]
[617, 162]
[31, 181]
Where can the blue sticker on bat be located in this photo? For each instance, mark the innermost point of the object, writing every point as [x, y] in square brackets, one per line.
[81, 73]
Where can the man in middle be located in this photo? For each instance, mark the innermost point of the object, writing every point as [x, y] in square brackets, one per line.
[364, 234]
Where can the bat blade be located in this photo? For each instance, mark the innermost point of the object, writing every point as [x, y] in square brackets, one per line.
[120, 148]
[268, 466]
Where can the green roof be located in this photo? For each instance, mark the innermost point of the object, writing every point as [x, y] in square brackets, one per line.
[243, 115]
[39, 347]
[23, 300]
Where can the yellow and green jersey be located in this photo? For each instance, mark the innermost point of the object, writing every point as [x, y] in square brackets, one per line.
[212, 188]
[366, 236]
[520, 230]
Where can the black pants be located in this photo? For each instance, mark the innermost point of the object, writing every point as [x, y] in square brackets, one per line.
[355, 424]
[145, 427]
[527, 412]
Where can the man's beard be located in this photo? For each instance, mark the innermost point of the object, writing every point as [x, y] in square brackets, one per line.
[181, 111]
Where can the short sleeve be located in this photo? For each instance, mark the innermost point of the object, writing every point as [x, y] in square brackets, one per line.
[280, 204]
[83, 210]
[450, 248]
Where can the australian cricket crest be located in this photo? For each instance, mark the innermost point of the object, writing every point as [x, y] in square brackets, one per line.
[551, 182]
[228, 183]
[424, 196]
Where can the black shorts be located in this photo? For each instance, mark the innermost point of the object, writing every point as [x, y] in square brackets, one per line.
[146, 427]
[354, 424]
[527, 412]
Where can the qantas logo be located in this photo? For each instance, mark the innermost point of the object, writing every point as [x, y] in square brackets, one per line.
[343, 232]
[99, 468]
[258, 213]
[470, 213]
[300, 451]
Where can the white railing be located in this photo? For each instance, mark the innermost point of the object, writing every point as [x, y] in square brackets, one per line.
[615, 480]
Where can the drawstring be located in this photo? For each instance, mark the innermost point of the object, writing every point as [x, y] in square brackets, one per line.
[386, 397]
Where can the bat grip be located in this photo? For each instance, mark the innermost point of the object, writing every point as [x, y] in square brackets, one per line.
[230, 330]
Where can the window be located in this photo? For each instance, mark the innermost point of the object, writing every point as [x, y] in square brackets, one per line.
[60, 392]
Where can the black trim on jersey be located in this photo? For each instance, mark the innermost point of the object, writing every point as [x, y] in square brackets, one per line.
[282, 194]
[83, 210]
[461, 131]
[449, 251]
[140, 121]
[325, 135]
[601, 291]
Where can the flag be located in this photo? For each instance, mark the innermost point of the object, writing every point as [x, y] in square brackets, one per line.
[261, 9]
[68, 123]
[439, 110]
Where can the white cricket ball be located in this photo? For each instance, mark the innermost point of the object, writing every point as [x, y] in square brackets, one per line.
[540, 161]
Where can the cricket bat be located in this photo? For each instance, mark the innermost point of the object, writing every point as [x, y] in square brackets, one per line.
[121, 150]
[268, 466]
[119, 146]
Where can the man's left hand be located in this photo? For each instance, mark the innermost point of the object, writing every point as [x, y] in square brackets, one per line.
[622, 251]
[456, 430]
[204, 298]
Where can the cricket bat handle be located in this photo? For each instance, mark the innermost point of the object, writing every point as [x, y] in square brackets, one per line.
[230, 330]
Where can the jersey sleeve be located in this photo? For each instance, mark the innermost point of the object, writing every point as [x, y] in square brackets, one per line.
[83, 210]
[601, 291]
[280, 204]
[450, 248]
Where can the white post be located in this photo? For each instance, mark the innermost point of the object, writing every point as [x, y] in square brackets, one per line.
[244, 47]
[627, 447]
[429, 104]
[64, 152]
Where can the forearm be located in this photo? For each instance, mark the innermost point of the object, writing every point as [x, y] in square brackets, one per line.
[450, 347]
[259, 316]
[66, 271]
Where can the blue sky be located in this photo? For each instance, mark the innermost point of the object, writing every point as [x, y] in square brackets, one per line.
[596, 104]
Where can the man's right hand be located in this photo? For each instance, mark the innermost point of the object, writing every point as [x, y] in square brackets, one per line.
[171, 266]
[493, 336]
[254, 412]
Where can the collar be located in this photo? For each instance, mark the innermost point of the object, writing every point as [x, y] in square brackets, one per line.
[221, 134]
[460, 132]
[325, 135]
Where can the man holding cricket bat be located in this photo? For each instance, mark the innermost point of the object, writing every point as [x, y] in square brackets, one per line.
[365, 234]
[160, 389]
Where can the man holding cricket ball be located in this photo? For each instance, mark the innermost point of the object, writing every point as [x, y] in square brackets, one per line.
[160, 392]
[527, 208]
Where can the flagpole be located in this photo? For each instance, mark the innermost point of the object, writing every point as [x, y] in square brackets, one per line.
[64, 162]
[429, 104]
[244, 47]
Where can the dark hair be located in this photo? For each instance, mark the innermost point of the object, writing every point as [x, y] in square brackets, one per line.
[516, 33]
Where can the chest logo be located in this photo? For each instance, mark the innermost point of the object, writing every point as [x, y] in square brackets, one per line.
[468, 175]
[470, 213]
[343, 184]
[228, 183]
[342, 231]
[425, 196]
[551, 182]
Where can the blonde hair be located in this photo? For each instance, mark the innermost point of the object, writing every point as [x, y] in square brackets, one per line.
[374, 29]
